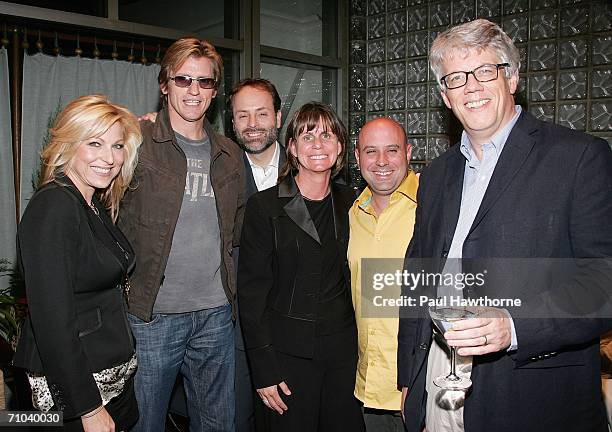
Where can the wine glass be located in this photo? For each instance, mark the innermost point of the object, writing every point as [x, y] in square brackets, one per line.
[443, 317]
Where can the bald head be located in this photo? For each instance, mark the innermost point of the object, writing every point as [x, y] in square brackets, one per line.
[383, 155]
[382, 124]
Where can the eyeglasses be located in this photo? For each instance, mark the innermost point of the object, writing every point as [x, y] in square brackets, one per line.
[484, 73]
[185, 81]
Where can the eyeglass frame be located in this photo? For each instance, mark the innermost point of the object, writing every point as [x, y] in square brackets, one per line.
[497, 66]
[200, 81]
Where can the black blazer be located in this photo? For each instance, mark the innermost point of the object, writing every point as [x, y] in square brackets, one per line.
[549, 197]
[250, 189]
[279, 274]
[77, 322]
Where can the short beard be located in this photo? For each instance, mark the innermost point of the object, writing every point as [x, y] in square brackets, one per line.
[272, 136]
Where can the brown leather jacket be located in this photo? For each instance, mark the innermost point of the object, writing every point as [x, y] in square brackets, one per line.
[150, 209]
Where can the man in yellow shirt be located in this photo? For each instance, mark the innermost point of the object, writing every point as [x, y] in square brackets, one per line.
[381, 221]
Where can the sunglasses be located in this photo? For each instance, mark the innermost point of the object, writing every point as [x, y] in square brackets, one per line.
[185, 81]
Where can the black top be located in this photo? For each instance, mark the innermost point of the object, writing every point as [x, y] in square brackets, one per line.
[334, 311]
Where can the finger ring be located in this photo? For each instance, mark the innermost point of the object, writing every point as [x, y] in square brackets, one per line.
[265, 401]
[485, 342]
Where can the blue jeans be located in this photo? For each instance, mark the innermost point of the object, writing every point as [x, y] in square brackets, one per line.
[199, 345]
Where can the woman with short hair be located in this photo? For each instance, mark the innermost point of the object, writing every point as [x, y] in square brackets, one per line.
[294, 284]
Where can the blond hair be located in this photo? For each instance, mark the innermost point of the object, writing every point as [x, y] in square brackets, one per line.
[178, 53]
[477, 35]
[84, 118]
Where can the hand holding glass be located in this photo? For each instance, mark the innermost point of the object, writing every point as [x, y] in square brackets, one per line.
[443, 317]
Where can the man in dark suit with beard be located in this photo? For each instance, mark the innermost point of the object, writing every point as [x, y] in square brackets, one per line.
[514, 187]
[256, 116]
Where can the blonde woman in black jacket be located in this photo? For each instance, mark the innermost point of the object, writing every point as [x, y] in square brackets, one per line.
[76, 344]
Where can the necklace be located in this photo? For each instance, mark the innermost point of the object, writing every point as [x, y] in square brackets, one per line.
[315, 200]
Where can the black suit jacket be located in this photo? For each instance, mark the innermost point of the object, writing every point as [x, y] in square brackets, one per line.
[250, 189]
[279, 274]
[549, 197]
[77, 321]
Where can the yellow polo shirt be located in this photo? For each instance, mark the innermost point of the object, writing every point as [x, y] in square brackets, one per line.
[384, 236]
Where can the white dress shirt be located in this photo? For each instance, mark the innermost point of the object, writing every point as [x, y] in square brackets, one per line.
[266, 176]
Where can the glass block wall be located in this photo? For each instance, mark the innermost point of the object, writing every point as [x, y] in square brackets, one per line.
[566, 65]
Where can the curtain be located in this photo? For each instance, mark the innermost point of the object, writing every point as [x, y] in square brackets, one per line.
[51, 82]
[7, 191]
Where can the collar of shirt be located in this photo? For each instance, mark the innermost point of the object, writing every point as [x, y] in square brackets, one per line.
[497, 142]
[407, 188]
[273, 162]
[266, 176]
[476, 177]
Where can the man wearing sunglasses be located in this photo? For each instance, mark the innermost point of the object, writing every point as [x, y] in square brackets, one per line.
[514, 187]
[183, 215]
[256, 118]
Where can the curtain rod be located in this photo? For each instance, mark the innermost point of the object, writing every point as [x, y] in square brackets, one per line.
[95, 40]
[34, 37]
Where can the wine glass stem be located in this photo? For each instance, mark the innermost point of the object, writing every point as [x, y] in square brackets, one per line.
[453, 375]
